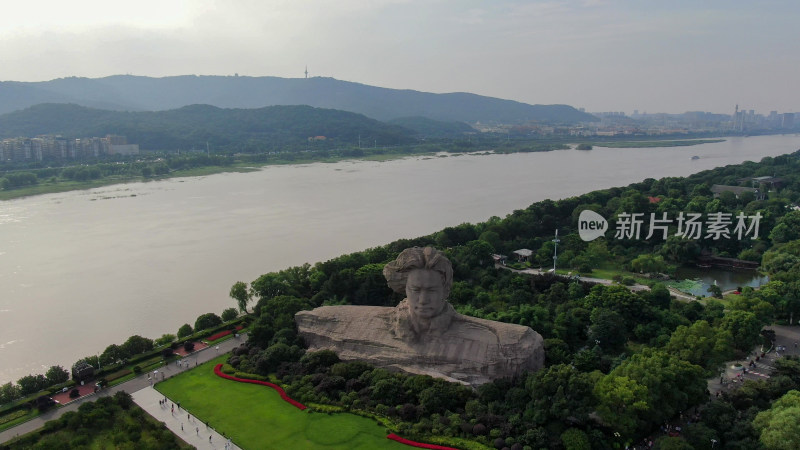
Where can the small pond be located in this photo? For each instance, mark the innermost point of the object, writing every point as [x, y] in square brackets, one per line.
[725, 279]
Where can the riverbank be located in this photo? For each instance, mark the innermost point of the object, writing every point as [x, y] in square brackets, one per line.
[651, 144]
[53, 187]
[56, 185]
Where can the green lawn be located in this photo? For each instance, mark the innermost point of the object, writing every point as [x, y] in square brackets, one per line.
[255, 417]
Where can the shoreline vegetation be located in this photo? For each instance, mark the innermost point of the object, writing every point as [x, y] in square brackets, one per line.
[29, 181]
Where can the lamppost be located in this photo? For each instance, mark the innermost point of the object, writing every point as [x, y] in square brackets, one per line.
[555, 251]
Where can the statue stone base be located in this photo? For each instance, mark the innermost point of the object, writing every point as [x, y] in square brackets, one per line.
[454, 347]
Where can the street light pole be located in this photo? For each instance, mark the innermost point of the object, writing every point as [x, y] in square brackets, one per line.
[555, 252]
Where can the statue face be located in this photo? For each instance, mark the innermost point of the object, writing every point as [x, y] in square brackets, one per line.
[425, 293]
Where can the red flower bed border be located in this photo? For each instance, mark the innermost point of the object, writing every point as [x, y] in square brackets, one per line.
[397, 438]
[214, 337]
[286, 398]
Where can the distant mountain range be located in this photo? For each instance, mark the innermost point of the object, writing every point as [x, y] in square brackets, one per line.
[135, 93]
[234, 130]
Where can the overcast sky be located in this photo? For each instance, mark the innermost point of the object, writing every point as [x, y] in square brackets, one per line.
[654, 56]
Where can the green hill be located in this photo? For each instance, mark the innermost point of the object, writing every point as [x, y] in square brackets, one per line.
[135, 93]
[235, 130]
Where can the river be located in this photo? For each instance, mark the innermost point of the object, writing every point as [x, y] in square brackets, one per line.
[84, 269]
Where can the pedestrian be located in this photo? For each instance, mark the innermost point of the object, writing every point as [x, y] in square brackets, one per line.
[173, 408]
[197, 430]
[209, 439]
[187, 417]
[181, 426]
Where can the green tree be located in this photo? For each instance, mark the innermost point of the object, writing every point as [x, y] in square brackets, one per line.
[620, 403]
[608, 327]
[744, 327]
[701, 344]
[165, 339]
[561, 393]
[787, 228]
[112, 354]
[242, 296]
[56, 375]
[136, 345]
[672, 443]
[269, 360]
[185, 330]
[207, 320]
[229, 314]
[780, 425]
[648, 263]
[660, 296]
[672, 384]
[715, 291]
[8, 392]
[574, 438]
[31, 383]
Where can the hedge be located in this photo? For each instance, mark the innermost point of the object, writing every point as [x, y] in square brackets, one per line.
[13, 416]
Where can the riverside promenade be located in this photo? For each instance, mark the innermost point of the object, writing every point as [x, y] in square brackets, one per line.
[132, 386]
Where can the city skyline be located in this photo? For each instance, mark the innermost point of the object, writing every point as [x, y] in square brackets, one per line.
[592, 54]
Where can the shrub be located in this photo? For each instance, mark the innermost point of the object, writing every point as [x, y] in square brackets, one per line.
[188, 346]
[137, 370]
[167, 353]
[74, 393]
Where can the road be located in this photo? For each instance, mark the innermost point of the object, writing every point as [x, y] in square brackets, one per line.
[634, 287]
[131, 386]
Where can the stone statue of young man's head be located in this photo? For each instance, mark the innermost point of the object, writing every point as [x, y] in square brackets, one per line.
[425, 276]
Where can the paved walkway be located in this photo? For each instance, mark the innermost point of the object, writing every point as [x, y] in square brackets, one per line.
[184, 425]
[130, 387]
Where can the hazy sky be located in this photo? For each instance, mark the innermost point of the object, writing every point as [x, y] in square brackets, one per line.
[654, 56]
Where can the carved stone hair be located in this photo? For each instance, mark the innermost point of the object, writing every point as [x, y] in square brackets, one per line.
[396, 272]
